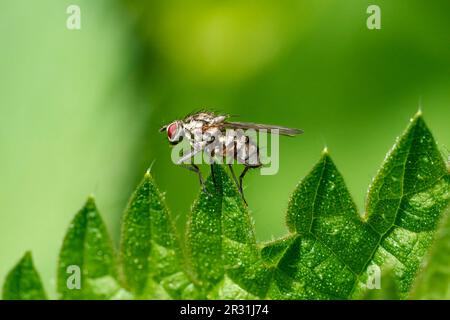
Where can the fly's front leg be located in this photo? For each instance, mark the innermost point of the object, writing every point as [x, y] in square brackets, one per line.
[200, 178]
[193, 167]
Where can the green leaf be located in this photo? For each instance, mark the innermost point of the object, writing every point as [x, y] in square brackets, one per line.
[434, 281]
[406, 201]
[334, 247]
[23, 282]
[150, 253]
[223, 257]
[87, 258]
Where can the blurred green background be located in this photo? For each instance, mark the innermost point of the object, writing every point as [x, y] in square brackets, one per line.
[80, 109]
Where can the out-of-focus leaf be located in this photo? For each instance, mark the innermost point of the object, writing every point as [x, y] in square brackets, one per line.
[150, 254]
[388, 289]
[23, 282]
[87, 265]
[433, 281]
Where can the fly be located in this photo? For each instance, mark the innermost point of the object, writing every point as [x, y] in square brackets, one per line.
[207, 131]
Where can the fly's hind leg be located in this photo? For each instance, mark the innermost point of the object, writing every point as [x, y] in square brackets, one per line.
[241, 178]
[213, 176]
[250, 159]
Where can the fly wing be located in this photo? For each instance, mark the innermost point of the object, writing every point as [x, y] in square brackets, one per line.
[291, 132]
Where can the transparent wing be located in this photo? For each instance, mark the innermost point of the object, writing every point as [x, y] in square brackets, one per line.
[249, 125]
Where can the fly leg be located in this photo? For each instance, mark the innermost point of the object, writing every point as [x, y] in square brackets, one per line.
[193, 167]
[247, 154]
[213, 176]
[230, 166]
[241, 178]
[234, 150]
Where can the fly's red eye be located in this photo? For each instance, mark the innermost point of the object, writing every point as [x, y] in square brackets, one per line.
[172, 130]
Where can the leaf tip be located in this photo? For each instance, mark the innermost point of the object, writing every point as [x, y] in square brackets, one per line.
[325, 156]
[27, 256]
[418, 116]
[148, 179]
[149, 170]
[417, 121]
[148, 173]
[419, 113]
[90, 202]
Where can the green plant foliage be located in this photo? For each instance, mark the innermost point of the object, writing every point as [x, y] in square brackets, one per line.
[23, 282]
[87, 246]
[388, 288]
[333, 244]
[331, 252]
[150, 253]
[405, 201]
[221, 246]
[434, 281]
